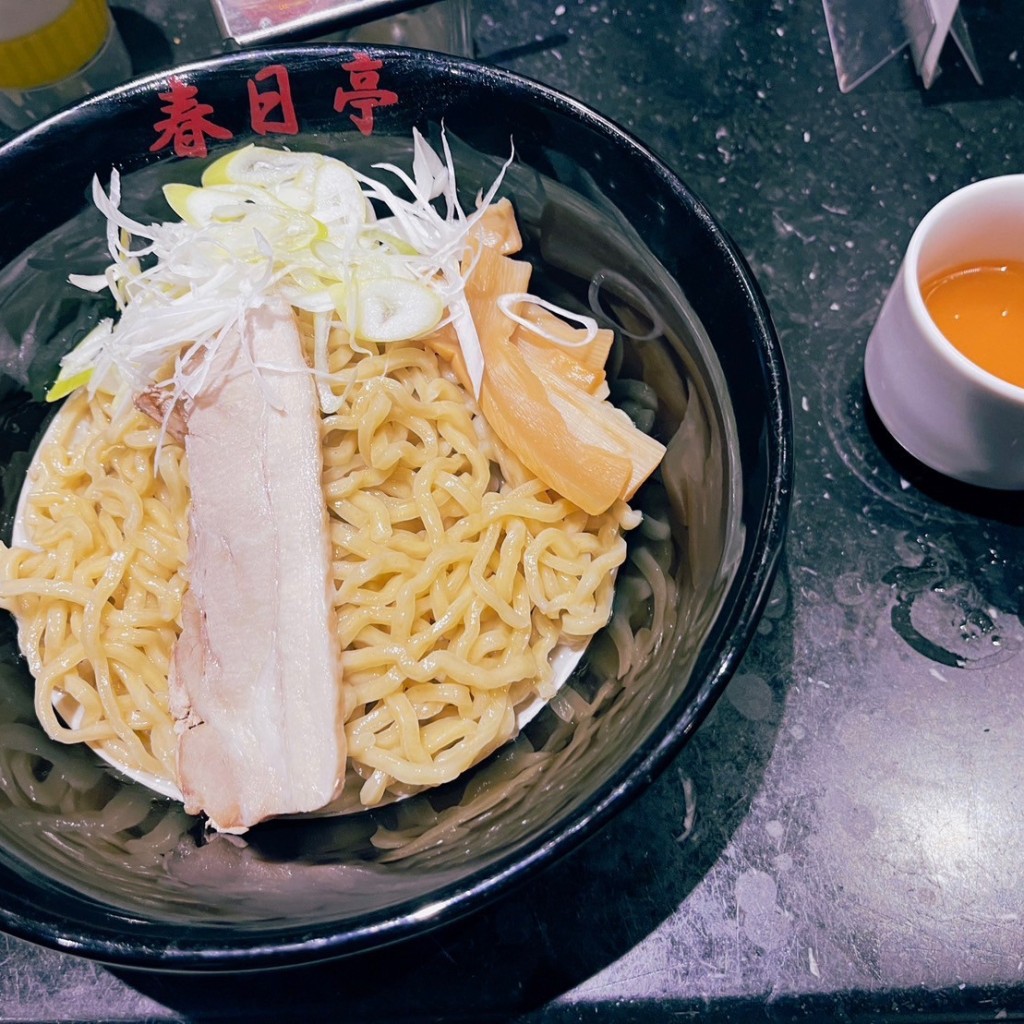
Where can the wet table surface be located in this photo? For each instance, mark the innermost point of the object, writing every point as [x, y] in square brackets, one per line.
[842, 839]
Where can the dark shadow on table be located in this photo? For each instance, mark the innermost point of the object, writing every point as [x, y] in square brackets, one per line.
[945, 1006]
[146, 42]
[554, 932]
[507, 54]
[1006, 507]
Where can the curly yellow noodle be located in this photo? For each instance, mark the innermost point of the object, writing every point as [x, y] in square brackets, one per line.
[456, 574]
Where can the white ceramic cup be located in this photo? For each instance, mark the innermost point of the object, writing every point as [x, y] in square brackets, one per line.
[944, 409]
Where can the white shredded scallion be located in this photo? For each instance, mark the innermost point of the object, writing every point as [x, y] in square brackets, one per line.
[180, 286]
[507, 304]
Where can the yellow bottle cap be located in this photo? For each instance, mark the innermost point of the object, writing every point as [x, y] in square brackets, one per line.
[56, 50]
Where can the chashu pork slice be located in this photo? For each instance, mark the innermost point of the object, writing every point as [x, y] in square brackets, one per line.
[255, 676]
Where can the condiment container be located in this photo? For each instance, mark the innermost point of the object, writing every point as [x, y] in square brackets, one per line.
[53, 52]
[943, 408]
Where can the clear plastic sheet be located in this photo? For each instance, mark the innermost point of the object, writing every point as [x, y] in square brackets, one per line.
[867, 34]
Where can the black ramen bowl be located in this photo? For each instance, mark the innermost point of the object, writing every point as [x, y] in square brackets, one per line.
[103, 867]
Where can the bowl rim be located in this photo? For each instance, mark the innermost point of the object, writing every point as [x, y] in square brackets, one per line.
[202, 947]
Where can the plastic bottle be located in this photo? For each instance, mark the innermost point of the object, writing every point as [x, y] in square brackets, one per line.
[53, 52]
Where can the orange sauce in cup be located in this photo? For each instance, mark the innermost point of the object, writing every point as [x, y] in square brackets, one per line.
[979, 307]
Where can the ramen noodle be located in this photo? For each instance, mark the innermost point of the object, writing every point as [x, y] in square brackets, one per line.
[456, 571]
[435, 573]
